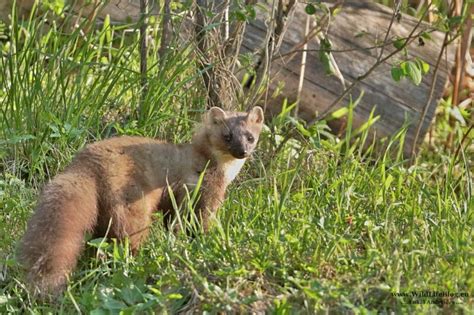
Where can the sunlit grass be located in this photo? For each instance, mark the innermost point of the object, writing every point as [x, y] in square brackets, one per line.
[318, 225]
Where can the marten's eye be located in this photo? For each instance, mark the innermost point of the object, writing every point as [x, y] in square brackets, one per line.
[250, 139]
[228, 137]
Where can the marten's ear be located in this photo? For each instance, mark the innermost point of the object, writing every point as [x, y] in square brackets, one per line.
[256, 115]
[216, 115]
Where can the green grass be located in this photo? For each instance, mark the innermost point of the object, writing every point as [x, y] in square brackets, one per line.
[316, 225]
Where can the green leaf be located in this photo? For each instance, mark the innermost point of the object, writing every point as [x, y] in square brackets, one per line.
[251, 13]
[399, 43]
[424, 67]
[414, 72]
[131, 295]
[456, 113]
[324, 56]
[326, 44]
[240, 16]
[412, 11]
[113, 304]
[341, 112]
[404, 68]
[174, 296]
[426, 35]
[310, 9]
[300, 127]
[98, 243]
[326, 60]
[454, 21]
[99, 311]
[336, 11]
[397, 73]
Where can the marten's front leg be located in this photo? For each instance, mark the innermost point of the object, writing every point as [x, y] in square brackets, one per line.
[210, 197]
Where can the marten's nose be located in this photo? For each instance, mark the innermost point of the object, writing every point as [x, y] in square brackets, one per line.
[241, 153]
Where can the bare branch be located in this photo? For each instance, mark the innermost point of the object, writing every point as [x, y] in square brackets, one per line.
[166, 32]
[284, 12]
[430, 97]
[273, 39]
[396, 12]
[298, 48]
[302, 67]
[216, 62]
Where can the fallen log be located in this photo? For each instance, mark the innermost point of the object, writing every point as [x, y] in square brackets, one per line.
[354, 33]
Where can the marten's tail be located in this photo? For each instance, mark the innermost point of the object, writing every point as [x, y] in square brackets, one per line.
[53, 241]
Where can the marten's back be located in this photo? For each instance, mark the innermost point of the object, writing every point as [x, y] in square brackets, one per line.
[110, 188]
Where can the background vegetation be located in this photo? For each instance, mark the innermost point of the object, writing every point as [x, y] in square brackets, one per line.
[311, 224]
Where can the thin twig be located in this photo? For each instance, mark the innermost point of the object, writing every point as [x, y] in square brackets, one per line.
[463, 48]
[262, 67]
[430, 97]
[143, 51]
[166, 32]
[274, 37]
[396, 11]
[218, 56]
[203, 47]
[388, 43]
[455, 10]
[466, 134]
[298, 47]
[302, 67]
[283, 13]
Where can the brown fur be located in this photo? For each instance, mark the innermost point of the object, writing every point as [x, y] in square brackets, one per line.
[113, 186]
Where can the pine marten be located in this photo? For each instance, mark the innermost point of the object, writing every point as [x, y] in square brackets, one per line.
[113, 186]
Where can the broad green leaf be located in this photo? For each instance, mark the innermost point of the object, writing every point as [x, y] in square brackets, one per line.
[412, 11]
[424, 67]
[426, 35]
[326, 60]
[113, 304]
[414, 72]
[397, 73]
[399, 43]
[404, 68]
[325, 57]
[251, 13]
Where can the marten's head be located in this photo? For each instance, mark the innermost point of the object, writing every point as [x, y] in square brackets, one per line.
[233, 134]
